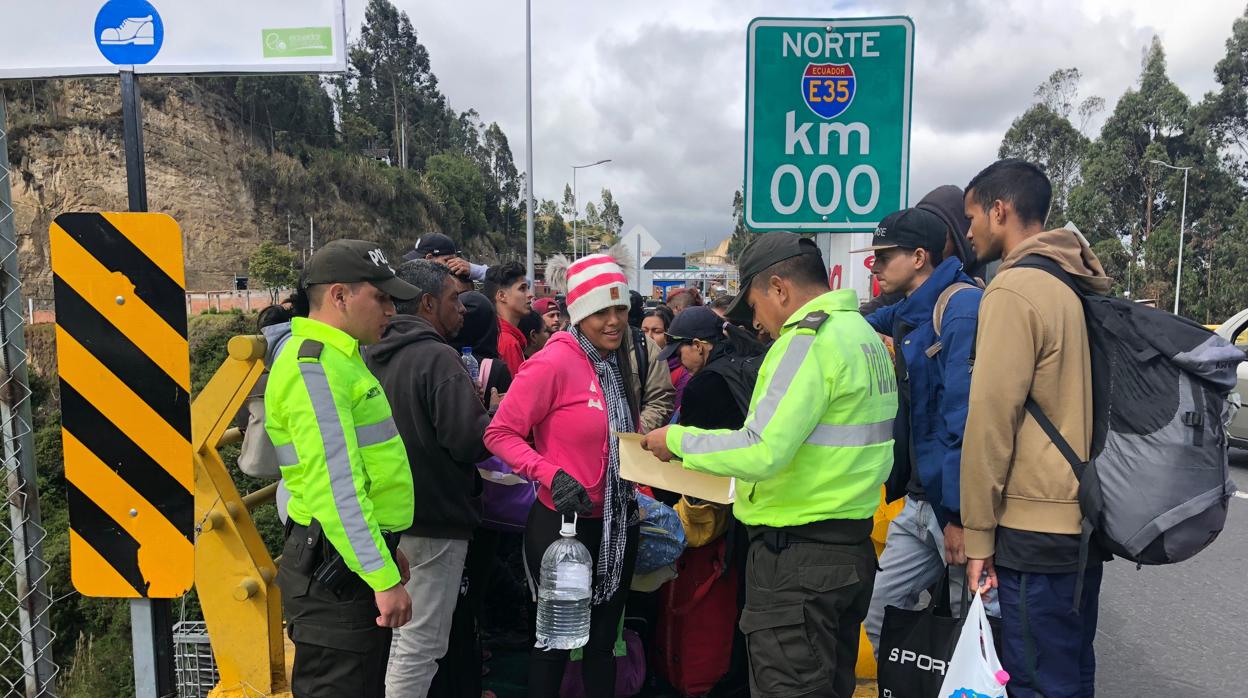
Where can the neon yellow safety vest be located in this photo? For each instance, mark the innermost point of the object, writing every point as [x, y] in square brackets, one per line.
[818, 440]
[341, 456]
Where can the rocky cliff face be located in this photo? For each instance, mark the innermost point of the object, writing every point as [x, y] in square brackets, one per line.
[70, 157]
[207, 167]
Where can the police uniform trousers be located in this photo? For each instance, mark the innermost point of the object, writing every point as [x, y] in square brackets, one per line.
[340, 651]
[808, 589]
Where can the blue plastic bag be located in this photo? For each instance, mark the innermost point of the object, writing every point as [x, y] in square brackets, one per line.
[662, 535]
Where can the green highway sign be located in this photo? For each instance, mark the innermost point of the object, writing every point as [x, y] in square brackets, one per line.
[827, 122]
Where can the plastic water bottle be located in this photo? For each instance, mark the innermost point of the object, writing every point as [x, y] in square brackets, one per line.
[564, 592]
[470, 363]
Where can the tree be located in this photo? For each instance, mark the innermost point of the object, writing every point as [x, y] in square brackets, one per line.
[592, 219]
[553, 229]
[1225, 112]
[740, 234]
[392, 85]
[459, 183]
[609, 214]
[1048, 139]
[1121, 192]
[274, 267]
[1058, 93]
[286, 109]
[569, 206]
[1044, 135]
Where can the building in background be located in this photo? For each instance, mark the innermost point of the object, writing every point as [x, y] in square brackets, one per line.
[641, 247]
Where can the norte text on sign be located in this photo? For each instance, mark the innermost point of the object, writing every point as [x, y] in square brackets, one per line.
[827, 122]
[121, 351]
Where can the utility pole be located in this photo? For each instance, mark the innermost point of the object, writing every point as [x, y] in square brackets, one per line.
[576, 207]
[1178, 275]
[528, 132]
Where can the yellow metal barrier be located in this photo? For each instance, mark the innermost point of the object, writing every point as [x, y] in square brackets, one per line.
[234, 573]
[884, 515]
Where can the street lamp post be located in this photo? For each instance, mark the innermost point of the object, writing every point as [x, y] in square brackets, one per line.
[1178, 276]
[575, 206]
[528, 133]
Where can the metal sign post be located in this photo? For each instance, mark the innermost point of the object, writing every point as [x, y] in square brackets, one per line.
[151, 620]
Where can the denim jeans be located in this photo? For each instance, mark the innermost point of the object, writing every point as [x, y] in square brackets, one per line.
[913, 560]
[437, 566]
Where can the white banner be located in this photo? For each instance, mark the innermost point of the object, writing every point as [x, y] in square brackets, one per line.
[64, 38]
[846, 270]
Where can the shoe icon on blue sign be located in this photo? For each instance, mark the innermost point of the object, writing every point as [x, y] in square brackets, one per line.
[139, 31]
[129, 32]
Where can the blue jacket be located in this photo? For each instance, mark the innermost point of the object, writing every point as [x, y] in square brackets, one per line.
[939, 386]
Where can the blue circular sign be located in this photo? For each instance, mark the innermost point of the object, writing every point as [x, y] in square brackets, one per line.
[129, 32]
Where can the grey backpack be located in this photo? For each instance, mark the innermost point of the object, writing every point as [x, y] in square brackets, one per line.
[1156, 487]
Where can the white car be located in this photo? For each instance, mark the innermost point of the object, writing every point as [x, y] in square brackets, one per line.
[1235, 331]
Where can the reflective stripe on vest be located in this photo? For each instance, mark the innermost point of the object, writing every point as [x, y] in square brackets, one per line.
[286, 455]
[338, 462]
[373, 434]
[763, 412]
[851, 435]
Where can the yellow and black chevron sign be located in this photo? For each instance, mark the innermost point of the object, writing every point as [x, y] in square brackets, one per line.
[124, 367]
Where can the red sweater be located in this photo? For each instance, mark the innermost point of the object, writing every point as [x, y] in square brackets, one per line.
[511, 344]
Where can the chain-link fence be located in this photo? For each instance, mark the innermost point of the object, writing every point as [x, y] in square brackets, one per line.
[26, 666]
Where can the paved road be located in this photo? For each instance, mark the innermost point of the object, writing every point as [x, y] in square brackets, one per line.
[1180, 630]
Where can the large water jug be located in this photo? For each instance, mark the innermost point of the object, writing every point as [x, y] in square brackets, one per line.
[470, 363]
[564, 592]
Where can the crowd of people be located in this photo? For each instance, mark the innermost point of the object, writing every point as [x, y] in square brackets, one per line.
[380, 429]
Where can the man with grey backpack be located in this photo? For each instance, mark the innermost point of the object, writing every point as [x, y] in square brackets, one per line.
[1051, 485]
[933, 330]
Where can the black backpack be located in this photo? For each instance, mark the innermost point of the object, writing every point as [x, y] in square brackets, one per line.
[740, 373]
[1156, 487]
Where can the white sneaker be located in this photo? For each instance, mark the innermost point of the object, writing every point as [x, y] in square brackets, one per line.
[137, 31]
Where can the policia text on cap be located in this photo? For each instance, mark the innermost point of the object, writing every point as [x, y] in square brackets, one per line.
[348, 476]
[816, 446]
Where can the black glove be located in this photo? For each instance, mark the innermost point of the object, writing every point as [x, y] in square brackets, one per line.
[569, 495]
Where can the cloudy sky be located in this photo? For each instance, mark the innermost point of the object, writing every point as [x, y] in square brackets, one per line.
[658, 86]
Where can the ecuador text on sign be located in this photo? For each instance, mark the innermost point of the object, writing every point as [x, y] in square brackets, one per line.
[827, 122]
[125, 402]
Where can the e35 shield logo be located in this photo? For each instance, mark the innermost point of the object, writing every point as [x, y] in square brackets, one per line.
[828, 88]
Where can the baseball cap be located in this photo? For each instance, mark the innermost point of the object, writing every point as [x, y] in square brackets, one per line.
[698, 322]
[435, 244]
[911, 228]
[351, 261]
[545, 305]
[766, 250]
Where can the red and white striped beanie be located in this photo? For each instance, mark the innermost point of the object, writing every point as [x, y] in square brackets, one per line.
[595, 282]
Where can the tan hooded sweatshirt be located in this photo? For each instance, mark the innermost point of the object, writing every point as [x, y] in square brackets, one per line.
[1031, 341]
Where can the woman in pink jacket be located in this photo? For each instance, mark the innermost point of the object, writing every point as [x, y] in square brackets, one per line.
[555, 428]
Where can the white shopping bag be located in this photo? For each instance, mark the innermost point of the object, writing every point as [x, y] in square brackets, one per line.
[974, 671]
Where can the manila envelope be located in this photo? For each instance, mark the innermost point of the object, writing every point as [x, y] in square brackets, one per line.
[639, 465]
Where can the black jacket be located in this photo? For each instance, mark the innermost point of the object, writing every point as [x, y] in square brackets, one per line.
[442, 422]
[709, 401]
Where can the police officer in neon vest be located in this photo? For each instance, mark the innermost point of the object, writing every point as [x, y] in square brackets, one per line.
[816, 446]
[350, 485]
